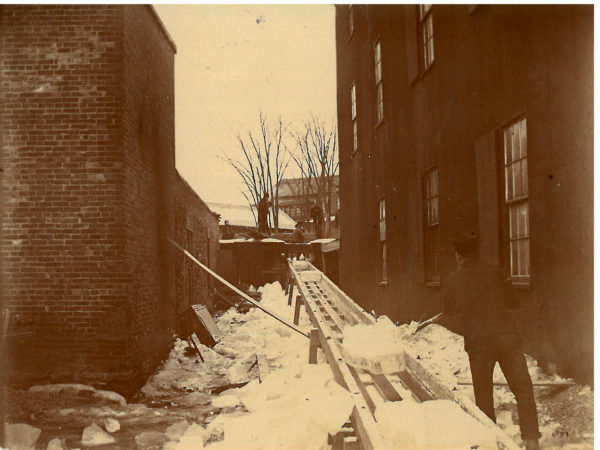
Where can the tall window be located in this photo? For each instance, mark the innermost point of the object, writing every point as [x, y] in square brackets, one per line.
[378, 81]
[350, 20]
[517, 198]
[354, 123]
[426, 34]
[432, 225]
[382, 240]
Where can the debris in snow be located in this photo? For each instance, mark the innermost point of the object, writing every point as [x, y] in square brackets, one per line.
[150, 439]
[251, 289]
[55, 444]
[432, 424]
[78, 391]
[175, 431]
[377, 348]
[94, 435]
[111, 425]
[20, 436]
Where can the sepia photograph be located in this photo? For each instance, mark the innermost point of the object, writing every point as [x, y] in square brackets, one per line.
[297, 226]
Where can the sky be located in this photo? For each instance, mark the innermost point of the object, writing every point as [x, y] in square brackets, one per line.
[233, 61]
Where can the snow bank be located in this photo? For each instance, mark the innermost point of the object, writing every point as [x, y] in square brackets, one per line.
[295, 406]
[377, 348]
[430, 425]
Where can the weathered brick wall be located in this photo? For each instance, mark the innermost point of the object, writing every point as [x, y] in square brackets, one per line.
[63, 236]
[149, 143]
[90, 193]
[197, 230]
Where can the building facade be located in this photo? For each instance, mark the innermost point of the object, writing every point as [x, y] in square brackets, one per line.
[298, 195]
[459, 119]
[89, 187]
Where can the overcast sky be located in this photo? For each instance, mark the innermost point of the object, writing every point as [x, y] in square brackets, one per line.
[233, 60]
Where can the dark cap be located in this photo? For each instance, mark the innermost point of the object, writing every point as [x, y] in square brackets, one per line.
[467, 245]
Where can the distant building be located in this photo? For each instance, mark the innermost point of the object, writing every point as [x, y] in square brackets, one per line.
[456, 118]
[90, 194]
[298, 195]
[242, 218]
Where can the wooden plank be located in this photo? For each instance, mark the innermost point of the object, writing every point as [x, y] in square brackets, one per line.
[297, 309]
[362, 418]
[314, 346]
[236, 290]
[291, 292]
[345, 303]
[263, 367]
[538, 384]
[441, 391]
[386, 388]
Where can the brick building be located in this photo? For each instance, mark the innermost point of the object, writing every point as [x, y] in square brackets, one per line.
[90, 192]
[456, 118]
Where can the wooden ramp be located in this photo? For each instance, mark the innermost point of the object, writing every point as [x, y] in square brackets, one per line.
[330, 310]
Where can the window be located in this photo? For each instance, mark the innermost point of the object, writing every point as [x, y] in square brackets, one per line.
[354, 123]
[426, 34]
[378, 81]
[382, 241]
[517, 198]
[350, 21]
[432, 225]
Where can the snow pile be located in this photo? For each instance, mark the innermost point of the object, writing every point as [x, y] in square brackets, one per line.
[377, 348]
[271, 240]
[294, 406]
[311, 275]
[432, 424]
[442, 353]
[301, 265]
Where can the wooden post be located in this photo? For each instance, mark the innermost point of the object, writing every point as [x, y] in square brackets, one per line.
[297, 310]
[291, 292]
[314, 344]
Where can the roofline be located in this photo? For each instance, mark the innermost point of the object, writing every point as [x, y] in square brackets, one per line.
[161, 25]
[194, 193]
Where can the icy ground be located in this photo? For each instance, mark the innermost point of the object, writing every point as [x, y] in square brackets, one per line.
[287, 403]
[565, 413]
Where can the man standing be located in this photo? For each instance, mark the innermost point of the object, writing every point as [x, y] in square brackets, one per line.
[477, 295]
[317, 215]
[298, 234]
[263, 212]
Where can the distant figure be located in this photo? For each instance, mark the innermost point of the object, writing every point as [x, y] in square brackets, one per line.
[298, 234]
[477, 295]
[317, 215]
[227, 232]
[263, 213]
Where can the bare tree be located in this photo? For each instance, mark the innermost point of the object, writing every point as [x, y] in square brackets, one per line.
[317, 158]
[265, 161]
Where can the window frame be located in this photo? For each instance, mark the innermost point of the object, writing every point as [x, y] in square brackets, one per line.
[378, 66]
[354, 117]
[350, 21]
[431, 222]
[516, 200]
[425, 36]
[383, 256]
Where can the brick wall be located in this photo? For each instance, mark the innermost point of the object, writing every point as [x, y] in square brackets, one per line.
[89, 185]
[149, 143]
[197, 230]
[63, 235]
